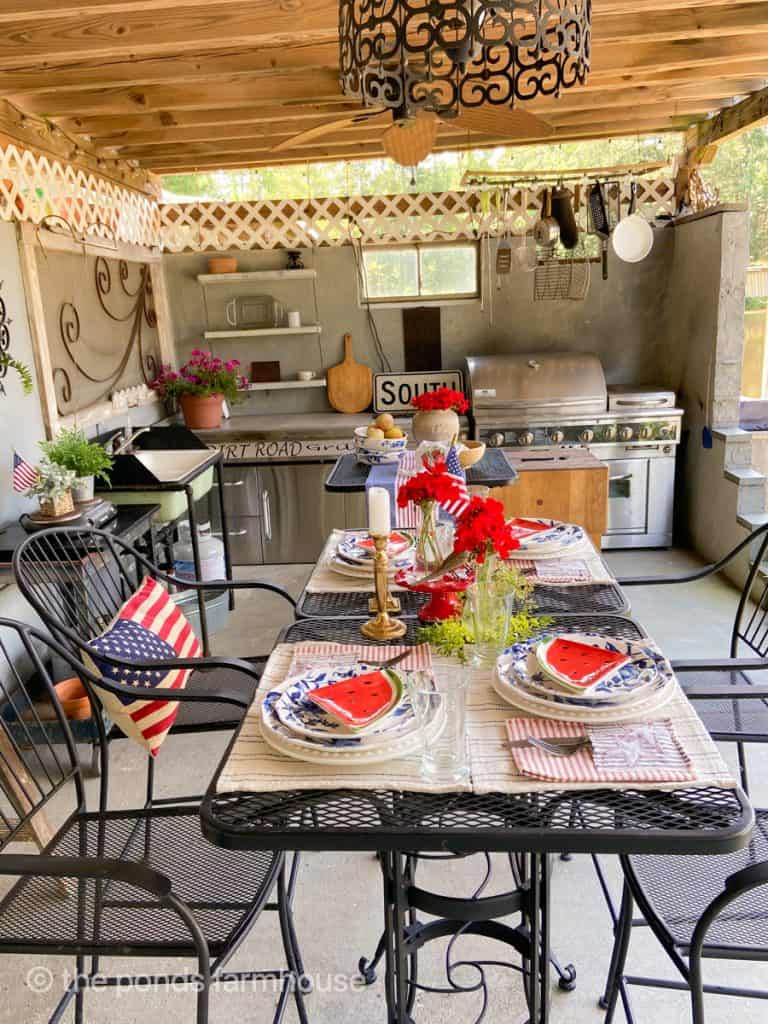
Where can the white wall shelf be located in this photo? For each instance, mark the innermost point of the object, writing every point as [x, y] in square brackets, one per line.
[284, 385]
[257, 275]
[263, 332]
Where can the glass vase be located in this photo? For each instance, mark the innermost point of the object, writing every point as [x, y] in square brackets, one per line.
[428, 549]
[485, 614]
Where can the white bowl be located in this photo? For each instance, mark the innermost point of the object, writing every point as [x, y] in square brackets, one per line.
[376, 445]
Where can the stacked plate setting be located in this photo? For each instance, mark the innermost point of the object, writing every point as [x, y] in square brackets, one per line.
[545, 538]
[354, 555]
[292, 724]
[639, 686]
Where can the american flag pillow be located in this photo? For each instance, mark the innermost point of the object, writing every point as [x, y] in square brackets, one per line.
[149, 627]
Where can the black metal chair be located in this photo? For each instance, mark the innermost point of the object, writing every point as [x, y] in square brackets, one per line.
[141, 883]
[77, 579]
[729, 699]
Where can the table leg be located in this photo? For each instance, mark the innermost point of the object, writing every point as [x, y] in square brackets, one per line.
[537, 914]
[397, 976]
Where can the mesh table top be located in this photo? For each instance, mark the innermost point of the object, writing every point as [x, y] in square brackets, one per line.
[493, 470]
[693, 820]
[548, 600]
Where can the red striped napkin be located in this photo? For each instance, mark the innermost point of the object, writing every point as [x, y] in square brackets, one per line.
[634, 752]
[308, 655]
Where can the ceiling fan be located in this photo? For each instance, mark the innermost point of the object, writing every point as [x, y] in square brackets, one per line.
[410, 136]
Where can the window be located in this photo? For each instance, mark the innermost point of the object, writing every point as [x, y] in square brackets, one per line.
[421, 273]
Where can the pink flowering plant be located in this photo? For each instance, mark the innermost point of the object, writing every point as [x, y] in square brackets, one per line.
[203, 375]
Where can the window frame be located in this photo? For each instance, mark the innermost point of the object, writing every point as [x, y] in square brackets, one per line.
[398, 301]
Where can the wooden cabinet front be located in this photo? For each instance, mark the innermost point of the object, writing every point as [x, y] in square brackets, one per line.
[569, 485]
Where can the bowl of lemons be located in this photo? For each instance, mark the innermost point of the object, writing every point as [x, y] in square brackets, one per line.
[379, 442]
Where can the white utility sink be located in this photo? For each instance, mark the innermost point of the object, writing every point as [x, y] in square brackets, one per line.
[172, 466]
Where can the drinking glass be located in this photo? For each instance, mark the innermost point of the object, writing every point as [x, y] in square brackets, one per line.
[443, 699]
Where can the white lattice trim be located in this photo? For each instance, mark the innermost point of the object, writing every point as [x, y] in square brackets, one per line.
[335, 220]
[34, 186]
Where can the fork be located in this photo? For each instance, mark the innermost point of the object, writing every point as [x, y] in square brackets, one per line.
[556, 746]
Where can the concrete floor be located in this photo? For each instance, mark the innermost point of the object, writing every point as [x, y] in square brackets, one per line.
[338, 906]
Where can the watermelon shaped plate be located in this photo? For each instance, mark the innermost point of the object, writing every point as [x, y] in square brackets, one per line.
[577, 666]
[360, 701]
[304, 718]
[345, 749]
[643, 683]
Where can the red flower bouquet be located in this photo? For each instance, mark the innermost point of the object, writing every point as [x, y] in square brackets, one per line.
[441, 399]
[427, 487]
[481, 530]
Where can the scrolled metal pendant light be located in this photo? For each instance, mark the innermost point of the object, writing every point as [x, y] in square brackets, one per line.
[441, 56]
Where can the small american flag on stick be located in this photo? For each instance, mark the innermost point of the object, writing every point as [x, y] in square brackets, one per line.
[456, 507]
[24, 475]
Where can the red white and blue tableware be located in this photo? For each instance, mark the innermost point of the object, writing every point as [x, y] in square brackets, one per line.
[358, 548]
[640, 685]
[578, 666]
[539, 537]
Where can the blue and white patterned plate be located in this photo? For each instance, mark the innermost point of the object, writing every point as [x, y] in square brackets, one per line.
[353, 547]
[304, 718]
[647, 673]
[344, 749]
[557, 537]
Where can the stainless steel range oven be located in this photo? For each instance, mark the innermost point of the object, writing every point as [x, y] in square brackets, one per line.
[557, 399]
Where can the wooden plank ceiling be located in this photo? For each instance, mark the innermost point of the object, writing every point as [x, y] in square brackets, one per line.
[188, 84]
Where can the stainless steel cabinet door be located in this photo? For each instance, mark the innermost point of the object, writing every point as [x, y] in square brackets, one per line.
[297, 512]
[242, 491]
[245, 543]
[627, 496]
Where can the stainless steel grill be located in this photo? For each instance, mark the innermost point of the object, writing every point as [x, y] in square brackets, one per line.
[560, 399]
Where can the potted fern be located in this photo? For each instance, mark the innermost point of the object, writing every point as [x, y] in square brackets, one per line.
[86, 459]
[25, 375]
[53, 489]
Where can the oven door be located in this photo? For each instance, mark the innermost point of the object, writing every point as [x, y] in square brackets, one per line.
[627, 496]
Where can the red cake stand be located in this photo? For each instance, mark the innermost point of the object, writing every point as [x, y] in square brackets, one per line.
[444, 593]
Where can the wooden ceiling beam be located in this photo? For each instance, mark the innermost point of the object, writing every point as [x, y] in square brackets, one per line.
[730, 122]
[274, 118]
[374, 151]
[52, 43]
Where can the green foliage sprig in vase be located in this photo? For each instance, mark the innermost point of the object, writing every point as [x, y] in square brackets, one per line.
[86, 459]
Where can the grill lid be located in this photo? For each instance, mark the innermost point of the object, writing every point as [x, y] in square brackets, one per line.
[533, 383]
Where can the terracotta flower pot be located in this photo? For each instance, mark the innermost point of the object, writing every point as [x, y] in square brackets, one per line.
[201, 412]
[436, 425]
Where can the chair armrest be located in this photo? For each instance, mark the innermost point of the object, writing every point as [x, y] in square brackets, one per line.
[200, 664]
[101, 868]
[721, 665]
[747, 878]
[226, 585]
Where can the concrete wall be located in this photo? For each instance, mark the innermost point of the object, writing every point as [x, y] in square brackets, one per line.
[618, 320]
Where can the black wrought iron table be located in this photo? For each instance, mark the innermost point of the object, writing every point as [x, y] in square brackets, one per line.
[348, 476]
[526, 826]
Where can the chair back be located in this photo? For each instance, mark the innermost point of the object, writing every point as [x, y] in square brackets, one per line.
[750, 626]
[37, 752]
[77, 578]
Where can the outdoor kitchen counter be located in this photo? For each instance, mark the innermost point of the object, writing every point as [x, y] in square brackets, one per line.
[294, 425]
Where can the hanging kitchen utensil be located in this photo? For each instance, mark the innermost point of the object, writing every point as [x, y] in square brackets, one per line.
[504, 246]
[632, 238]
[350, 384]
[547, 230]
[562, 211]
[600, 221]
[561, 279]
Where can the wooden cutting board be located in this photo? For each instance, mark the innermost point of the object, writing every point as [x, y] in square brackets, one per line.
[350, 384]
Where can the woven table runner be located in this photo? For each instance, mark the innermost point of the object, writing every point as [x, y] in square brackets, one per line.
[253, 766]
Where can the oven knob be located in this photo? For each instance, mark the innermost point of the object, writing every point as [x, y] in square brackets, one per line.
[496, 440]
[666, 430]
[525, 439]
[587, 435]
[556, 436]
[609, 432]
[645, 433]
[625, 433]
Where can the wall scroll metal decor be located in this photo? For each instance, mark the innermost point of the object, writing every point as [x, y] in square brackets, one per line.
[441, 55]
[141, 314]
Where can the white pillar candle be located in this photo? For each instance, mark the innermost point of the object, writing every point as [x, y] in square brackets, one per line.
[378, 512]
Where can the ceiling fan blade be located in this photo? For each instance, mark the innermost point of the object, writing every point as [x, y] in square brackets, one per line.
[409, 141]
[500, 121]
[336, 125]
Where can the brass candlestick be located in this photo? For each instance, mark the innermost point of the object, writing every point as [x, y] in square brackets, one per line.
[382, 626]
